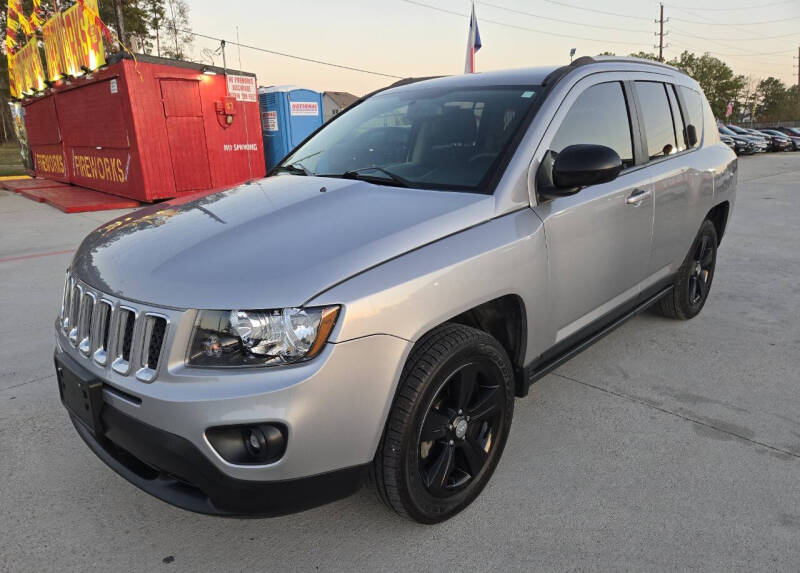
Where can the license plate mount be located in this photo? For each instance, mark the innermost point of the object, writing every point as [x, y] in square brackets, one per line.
[82, 397]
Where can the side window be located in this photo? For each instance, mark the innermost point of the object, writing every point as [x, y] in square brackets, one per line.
[599, 116]
[694, 105]
[657, 117]
[677, 118]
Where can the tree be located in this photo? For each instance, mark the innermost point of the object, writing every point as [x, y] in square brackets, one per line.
[645, 56]
[792, 104]
[155, 18]
[776, 102]
[134, 18]
[606, 54]
[716, 79]
[745, 97]
[177, 41]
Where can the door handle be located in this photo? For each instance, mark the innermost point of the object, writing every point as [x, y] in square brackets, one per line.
[637, 197]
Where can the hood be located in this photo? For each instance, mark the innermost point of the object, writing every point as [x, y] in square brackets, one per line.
[272, 243]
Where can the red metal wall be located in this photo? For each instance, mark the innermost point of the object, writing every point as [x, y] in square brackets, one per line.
[44, 138]
[145, 132]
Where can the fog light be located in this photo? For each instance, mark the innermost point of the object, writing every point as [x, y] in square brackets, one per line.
[251, 444]
[255, 441]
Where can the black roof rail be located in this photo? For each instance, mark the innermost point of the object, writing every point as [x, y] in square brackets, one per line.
[557, 74]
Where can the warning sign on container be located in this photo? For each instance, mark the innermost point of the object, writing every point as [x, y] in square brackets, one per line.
[269, 121]
[242, 88]
[304, 108]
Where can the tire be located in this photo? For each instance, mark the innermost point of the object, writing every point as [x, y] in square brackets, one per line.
[411, 474]
[693, 280]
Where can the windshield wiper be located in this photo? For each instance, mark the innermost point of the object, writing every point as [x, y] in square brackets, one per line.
[295, 168]
[358, 174]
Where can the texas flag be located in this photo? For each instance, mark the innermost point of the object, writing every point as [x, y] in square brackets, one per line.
[473, 43]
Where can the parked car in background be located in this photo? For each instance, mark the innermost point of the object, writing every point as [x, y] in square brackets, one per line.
[727, 140]
[761, 141]
[793, 138]
[758, 134]
[780, 141]
[363, 312]
[742, 145]
[792, 132]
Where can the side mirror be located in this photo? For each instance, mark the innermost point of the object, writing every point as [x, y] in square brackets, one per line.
[691, 135]
[583, 165]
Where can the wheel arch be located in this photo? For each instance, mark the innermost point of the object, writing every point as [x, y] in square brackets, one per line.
[719, 216]
[505, 319]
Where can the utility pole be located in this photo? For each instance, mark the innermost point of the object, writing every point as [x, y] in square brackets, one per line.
[660, 33]
[120, 21]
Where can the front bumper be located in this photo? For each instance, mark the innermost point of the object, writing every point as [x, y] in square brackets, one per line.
[334, 408]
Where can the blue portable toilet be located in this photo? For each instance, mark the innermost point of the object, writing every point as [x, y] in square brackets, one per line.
[288, 115]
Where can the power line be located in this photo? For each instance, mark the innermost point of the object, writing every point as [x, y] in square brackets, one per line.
[523, 28]
[616, 14]
[730, 9]
[746, 55]
[285, 55]
[522, 12]
[728, 24]
[680, 32]
[713, 52]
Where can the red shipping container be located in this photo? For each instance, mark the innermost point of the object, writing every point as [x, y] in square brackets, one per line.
[150, 130]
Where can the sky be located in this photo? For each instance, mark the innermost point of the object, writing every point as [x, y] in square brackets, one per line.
[428, 37]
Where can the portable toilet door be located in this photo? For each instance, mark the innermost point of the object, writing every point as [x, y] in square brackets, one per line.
[288, 116]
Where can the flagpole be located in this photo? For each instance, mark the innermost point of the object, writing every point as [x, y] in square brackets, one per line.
[473, 42]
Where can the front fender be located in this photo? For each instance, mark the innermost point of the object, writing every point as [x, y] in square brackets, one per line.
[409, 295]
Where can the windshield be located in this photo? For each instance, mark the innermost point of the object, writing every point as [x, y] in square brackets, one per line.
[724, 130]
[428, 138]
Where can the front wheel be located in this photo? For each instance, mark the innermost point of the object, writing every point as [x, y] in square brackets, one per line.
[693, 280]
[448, 425]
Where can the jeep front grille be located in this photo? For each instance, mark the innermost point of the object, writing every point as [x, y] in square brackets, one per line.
[108, 332]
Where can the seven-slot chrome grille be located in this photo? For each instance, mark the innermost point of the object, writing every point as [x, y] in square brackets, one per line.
[112, 333]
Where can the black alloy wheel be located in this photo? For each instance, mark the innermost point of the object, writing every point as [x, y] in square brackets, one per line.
[448, 424]
[692, 282]
[701, 271]
[460, 428]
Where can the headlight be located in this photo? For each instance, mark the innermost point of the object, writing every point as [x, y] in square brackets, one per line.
[260, 337]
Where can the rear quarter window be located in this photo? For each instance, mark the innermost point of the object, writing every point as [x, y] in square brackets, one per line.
[695, 104]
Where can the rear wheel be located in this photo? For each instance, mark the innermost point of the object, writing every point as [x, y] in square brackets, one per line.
[448, 425]
[693, 281]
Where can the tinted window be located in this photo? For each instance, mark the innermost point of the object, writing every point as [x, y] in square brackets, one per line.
[677, 118]
[658, 126]
[599, 116]
[431, 137]
[694, 108]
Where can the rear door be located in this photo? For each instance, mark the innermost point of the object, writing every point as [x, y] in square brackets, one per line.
[598, 240]
[186, 134]
[668, 115]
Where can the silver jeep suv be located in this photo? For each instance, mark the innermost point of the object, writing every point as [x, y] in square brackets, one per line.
[375, 306]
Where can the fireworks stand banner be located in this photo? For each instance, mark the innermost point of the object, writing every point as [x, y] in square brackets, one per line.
[73, 45]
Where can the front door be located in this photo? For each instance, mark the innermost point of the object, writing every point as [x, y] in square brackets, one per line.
[598, 240]
[186, 134]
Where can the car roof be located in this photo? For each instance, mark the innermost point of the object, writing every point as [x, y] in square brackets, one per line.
[542, 75]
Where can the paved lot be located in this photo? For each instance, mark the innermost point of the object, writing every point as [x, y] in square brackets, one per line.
[667, 445]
